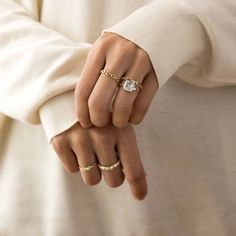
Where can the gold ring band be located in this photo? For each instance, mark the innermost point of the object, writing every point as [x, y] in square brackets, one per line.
[130, 85]
[108, 168]
[87, 168]
[109, 74]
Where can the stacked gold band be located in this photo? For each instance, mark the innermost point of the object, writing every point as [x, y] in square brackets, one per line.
[126, 82]
[87, 168]
[112, 76]
[108, 168]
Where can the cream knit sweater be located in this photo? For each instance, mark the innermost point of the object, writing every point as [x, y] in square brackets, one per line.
[44, 44]
[187, 140]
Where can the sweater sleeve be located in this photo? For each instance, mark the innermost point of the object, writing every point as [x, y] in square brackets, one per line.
[192, 39]
[39, 69]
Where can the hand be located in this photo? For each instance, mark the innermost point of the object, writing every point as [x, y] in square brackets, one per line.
[94, 91]
[78, 146]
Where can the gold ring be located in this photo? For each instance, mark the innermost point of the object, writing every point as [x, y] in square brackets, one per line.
[87, 168]
[109, 167]
[130, 85]
[109, 74]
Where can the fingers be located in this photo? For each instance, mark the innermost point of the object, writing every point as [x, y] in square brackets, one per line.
[94, 91]
[132, 164]
[77, 146]
[144, 99]
[101, 96]
[98, 102]
[86, 158]
[104, 144]
[89, 75]
[114, 177]
[65, 154]
[123, 104]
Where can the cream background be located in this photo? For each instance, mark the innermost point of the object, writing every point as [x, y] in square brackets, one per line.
[187, 140]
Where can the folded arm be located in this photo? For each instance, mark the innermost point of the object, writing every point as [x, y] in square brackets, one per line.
[39, 70]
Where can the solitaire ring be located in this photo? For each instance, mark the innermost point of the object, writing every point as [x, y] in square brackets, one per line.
[130, 85]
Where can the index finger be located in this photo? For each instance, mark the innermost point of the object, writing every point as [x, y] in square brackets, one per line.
[88, 78]
[132, 164]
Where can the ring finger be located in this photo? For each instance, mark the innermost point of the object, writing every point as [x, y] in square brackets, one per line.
[107, 158]
[89, 170]
[102, 94]
[123, 103]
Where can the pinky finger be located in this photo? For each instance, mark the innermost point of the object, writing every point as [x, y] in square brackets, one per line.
[144, 99]
[67, 157]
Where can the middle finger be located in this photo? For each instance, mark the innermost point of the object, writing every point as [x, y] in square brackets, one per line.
[102, 94]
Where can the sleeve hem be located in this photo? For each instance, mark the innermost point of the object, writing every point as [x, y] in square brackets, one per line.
[58, 114]
[160, 28]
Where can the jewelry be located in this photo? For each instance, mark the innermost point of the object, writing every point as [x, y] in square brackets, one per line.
[130, 85]
[87, 168]
[109, 167]
[112, 76]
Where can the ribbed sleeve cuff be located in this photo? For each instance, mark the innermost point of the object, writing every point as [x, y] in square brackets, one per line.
[168, 31]
[58, 114]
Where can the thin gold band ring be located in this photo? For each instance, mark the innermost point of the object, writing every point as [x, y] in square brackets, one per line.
[109, 74]
[87, 168]
[108, 168]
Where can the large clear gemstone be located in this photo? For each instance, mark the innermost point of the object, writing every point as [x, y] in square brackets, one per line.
[129, 86]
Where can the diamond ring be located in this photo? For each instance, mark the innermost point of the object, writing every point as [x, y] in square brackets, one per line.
[130, 85]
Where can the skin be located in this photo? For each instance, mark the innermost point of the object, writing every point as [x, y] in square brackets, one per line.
[106, 113]
[80, 146]
[94, 91]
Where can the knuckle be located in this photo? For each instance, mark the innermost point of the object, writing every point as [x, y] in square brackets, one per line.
[142, 58]
[100, 122]
[80, 143]
[120, 123]
[103, 43]
[59, 144]
[142, 54]
[130, 46]
[125, 51]
[124, 54]
[103, 140]
[95, 105]
[99, 119]
[95, 54]
[99, 114]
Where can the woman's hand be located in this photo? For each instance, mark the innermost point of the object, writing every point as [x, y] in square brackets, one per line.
[80, 147]
[95, 91]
